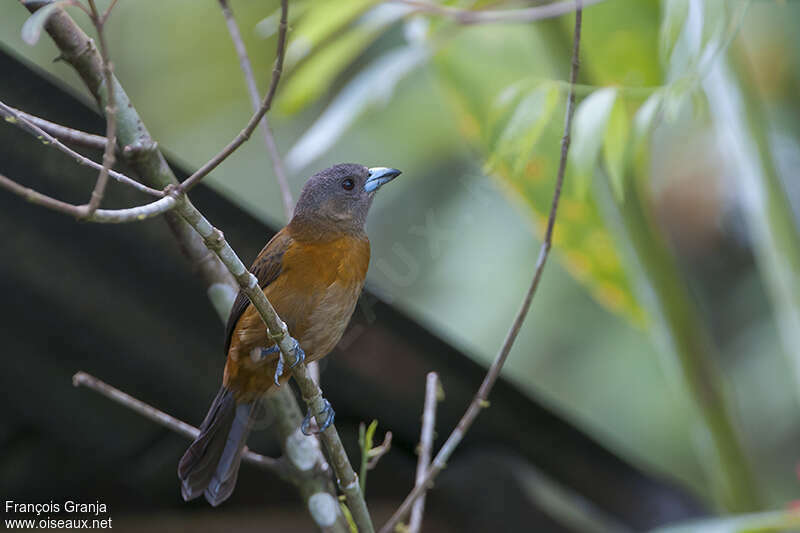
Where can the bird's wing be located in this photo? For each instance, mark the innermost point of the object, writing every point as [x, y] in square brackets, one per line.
[266, 268]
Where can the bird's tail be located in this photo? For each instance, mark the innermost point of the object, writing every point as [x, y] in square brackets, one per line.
[211, 464]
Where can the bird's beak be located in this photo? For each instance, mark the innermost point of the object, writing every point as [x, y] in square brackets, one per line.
[378, 176]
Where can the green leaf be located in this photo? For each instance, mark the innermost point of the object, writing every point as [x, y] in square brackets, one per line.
[588, 131]
[365, 442]
[645, 117]
[526, 125]
[312, 78]
[643, 125]
[370, 434]
[348, 516]
[673, 18]
[322, 22]
[615, 147]
[32, 29]
[372, 86]
[485, 101]
[675, 96]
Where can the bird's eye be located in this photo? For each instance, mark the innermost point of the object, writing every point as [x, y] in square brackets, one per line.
[348, 184]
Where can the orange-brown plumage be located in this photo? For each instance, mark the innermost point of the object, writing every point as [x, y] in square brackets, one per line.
[312, 271]
[315, 290]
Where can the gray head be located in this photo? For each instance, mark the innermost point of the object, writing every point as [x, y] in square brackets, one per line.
[337, 199]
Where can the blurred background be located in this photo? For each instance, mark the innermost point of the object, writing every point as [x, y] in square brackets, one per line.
[677, 261]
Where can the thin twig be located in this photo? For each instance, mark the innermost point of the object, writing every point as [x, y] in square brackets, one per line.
[64, 133]
[107, 12]
[255, 100]
[110, 111]
[480, 399]
[24, 121]
[243, 135]
[377, 452]
[82, 379]
[425, 447]
[103, 216]
[503, 16]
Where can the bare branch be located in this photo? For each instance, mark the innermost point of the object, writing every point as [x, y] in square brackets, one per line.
[82, 379]
[377, 452]
[243, 135]
[480, 399]
[107, 12]
[104, 216]
[505, 16]
[425, 447]
[255, 99]
[23, 120]
[110, 111]
[64, 133]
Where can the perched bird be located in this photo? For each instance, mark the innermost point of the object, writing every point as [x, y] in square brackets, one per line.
[312, 271]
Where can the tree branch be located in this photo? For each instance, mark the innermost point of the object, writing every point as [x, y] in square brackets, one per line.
[139, 149]
[480, 399]
[64, 133]
[504, 16]
[425, 447]
[243, 135]
[34, 126]
[255, 99]
[110, 110]
[103, 216]
[82, 379]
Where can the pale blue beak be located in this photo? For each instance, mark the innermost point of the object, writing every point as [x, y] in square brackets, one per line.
[379, 176]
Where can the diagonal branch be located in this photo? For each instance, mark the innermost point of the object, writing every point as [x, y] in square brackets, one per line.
[82, 379]
[425, 447]
[480, 399]
[255, 98]
[243, 135]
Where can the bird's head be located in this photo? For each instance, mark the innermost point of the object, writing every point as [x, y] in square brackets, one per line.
[338, 198]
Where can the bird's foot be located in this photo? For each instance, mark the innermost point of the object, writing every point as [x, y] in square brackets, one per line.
[279, 371]
[299, 354]
[272, 350]
[329, 413]
[299, 357]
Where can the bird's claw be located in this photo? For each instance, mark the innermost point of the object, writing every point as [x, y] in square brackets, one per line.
[299, 357]
[272, 350]
[278, 371]
[329, 413]
[299, 354]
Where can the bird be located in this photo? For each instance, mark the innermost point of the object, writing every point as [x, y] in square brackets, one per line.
[312, 271]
